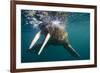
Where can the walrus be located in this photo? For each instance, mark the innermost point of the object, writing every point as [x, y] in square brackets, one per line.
[52, 26]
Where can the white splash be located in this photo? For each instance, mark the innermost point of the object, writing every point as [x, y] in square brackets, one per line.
[57, 23]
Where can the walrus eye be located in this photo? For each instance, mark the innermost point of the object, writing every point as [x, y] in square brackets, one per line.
[35, 39]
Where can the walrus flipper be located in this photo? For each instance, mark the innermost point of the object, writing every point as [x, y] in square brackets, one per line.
[71, 50]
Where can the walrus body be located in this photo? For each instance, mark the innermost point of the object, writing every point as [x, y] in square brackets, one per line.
[52, 25]
[59, 37]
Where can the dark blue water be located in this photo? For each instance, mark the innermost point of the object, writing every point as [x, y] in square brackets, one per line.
[78, 27]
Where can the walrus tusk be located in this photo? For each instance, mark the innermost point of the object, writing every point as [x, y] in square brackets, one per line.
[45, 42]
[35, 40]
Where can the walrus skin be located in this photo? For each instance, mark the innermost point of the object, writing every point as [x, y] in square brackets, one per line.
[52, 26]
[58, 37]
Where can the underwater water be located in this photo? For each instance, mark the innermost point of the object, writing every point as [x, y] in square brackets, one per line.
[78, 28]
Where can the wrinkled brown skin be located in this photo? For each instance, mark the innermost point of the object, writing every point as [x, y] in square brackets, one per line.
[59, 37]
[57, 33]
